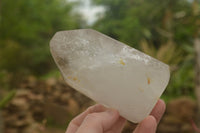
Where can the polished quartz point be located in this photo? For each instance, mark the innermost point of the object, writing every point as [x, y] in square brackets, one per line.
[110, 72]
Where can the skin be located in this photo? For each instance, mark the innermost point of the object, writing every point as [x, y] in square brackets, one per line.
[99, 119]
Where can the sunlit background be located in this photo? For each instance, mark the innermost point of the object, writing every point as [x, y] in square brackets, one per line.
[33, 95]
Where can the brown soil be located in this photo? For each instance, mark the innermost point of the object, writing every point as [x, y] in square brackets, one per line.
[48, 106]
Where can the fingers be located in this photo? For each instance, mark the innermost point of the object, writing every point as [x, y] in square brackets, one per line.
[148, 125]
[76, 122]
[118, 126]
[97, 119]
[98, 122]
[158, 110]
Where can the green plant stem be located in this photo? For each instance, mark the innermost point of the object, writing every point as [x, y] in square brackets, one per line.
[6, 99]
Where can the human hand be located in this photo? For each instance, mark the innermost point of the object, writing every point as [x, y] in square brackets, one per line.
[99, 119]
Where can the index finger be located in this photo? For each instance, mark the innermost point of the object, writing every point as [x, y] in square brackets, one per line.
[77, 121]
[158, 110]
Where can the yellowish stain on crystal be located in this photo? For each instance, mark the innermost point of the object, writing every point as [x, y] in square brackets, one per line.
[148, 80]
[141, 90]
[73, 78]
[69, 77]
[122, 62]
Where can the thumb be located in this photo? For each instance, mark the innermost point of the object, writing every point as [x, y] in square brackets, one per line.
[99, 122]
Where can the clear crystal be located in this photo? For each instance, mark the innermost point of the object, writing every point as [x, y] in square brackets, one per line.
[110, 72]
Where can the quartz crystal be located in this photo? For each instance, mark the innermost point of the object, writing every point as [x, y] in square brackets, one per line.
[110, 72]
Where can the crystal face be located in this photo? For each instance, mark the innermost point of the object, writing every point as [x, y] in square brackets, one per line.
[110, 72]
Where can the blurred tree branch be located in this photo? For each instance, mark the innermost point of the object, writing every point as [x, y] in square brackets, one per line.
[197, 50]
[196, 14]
[1, 123]
[197, 73]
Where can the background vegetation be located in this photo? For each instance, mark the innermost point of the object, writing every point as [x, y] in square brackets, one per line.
[165, 30]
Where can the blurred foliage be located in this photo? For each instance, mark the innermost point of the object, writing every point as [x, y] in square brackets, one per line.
[156, 21]
[12, 56]
[26, 28]
[167, 53]
[53, 74]
[182, 81]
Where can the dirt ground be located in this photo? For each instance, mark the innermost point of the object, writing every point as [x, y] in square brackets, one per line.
[47, 106]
